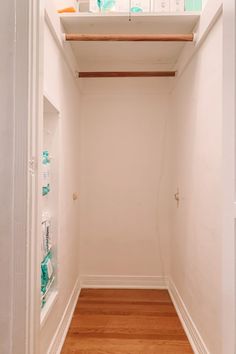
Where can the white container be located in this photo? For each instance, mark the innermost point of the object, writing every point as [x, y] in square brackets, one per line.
[93, 7]
[177, 5]
[122, 5]
[161, 6]
[144, 5]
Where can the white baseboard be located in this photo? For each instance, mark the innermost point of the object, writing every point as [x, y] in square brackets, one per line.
[123, 282]
[128, 282]
[192, 333]
[62, 329]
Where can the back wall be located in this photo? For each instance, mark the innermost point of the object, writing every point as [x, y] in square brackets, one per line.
[123, 138]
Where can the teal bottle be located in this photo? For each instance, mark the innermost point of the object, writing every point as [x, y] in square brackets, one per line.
[193, 5]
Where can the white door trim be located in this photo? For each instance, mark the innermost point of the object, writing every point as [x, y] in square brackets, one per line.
[27, 109]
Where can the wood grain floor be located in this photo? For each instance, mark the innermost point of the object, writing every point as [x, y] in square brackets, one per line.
[125, 322]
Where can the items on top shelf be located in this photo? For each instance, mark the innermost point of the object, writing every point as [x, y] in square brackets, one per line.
[138, 6]
[46, 173]
[71, 6]
[193, 5]
[131, 6]
[66, 10]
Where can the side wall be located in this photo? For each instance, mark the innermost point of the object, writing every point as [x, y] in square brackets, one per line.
[124, 231]
[197, 158]
[61, 87]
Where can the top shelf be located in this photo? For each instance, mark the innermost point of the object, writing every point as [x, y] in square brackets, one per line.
[85, 22]
[120, 15]
[128, 56]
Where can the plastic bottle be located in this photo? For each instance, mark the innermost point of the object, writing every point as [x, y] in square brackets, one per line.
[46, 272]
[106, 5]
[46, 173]
[46, 234]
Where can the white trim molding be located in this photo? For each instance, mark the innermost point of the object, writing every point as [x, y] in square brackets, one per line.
[123, 282]
[128, 282]
[191, 330]
[62, 329]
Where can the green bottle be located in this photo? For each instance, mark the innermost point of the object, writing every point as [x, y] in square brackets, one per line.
[193, 5]
[106, 5]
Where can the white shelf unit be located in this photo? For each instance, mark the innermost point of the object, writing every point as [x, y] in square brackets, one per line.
[128, 56]
[161, 22]
[51, 200]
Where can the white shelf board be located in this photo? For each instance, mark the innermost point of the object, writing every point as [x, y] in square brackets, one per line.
[48, 105]
[125, 14]
[47, 308]
[129, 56]
[180, 22]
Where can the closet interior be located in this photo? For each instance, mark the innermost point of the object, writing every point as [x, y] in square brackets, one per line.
[130, 150]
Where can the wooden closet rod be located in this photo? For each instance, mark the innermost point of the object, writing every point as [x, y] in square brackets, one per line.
[130, 37]
[101, 74]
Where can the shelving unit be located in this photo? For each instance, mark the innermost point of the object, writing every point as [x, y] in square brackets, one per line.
[84, 20]
[128, 56]
[50, 201]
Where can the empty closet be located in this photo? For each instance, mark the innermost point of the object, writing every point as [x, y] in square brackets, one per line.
[130, 164]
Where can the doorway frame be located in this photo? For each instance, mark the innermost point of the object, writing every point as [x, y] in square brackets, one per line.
[28, 66]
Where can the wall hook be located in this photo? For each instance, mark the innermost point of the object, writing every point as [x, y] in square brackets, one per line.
[176, 196]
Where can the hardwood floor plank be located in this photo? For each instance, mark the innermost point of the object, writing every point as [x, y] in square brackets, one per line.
[125, 294]
[118, 346]
[111, 321]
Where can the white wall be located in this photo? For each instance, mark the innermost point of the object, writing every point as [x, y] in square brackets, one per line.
[14, 124]
[123, 137]
[61, 87]
[6, 171]
[196, 232]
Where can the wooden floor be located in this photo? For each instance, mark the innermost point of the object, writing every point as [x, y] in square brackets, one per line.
[125, 322]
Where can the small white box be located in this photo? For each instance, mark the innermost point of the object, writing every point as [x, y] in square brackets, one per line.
[144, 5]
[161, 6]
[177, 5]
[93, 7]
[122, 5]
